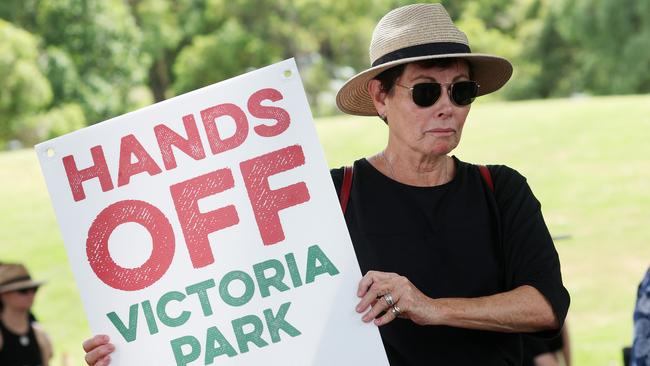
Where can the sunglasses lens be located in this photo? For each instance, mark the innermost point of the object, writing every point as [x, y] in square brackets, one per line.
[426, 94]
[26, 291]
[464, 92]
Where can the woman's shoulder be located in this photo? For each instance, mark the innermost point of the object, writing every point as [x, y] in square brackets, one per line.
[509, 184]
[337, 177]
[511, 188]
[500, 174]
[43, 340]
[505, 174]
[337, 173]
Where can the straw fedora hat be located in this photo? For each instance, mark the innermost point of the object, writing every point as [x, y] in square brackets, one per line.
[414, 33]
[15, 277]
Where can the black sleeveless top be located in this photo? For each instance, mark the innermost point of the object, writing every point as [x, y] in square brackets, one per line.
[19, 349]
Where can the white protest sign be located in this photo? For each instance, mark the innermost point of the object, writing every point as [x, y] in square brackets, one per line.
[206, 229]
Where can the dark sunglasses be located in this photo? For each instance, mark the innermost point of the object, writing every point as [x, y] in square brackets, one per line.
[27, 291]
[461, 93]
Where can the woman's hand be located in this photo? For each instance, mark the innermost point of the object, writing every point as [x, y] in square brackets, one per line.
[98, 350]
[521, 310]
[396, 296]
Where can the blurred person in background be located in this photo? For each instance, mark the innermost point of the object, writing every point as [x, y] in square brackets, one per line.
[640, 355]
[22, 341]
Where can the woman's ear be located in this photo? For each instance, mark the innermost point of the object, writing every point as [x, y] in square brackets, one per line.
[378, 96]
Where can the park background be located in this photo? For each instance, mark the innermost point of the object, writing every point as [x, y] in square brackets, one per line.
[575, 118]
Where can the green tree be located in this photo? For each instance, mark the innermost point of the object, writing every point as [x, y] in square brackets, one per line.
[36, 128]
[547, 62]
[25, 90]
[613, 36]
[104, 44]
[220, 55]
[62, 75]
[20, 12]
[109, 56]
[494, 14]
[328, 39]
[167, 27]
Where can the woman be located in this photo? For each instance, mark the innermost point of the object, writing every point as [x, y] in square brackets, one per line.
[22, 341]
[459, 270]
[455, 272]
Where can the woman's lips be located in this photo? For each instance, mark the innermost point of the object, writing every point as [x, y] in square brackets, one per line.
[441, 130]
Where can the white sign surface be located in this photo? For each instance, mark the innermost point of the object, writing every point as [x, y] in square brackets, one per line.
[205, 229]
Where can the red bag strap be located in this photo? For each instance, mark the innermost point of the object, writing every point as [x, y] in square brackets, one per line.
[487, 177]
[346, 187]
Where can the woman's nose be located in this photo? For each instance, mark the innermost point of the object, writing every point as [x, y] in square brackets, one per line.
[444, 106]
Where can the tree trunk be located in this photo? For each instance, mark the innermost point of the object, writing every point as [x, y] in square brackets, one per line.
[158, 79]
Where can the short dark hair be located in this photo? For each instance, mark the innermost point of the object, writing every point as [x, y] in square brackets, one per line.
[388, 77]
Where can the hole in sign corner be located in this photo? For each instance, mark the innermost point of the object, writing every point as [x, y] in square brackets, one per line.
[287, 74]
[49, 152]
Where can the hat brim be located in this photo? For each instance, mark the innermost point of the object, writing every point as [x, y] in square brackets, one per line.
[21, 286]
[490, 72]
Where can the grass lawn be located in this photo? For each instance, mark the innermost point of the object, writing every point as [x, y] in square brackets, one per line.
[587, 161]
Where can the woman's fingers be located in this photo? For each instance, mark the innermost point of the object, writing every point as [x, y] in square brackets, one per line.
[369, 279]
[380, 306]
[388, 317]
[104, 361]
[392, 294]
[375, 291]
[382, 292]
[99, 356]
[94, 342]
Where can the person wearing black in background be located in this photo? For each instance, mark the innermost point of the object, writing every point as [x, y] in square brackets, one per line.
[640, 354]
[22, 341]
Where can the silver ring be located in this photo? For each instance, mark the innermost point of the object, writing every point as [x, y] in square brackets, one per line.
[396, 311]
[389, 299]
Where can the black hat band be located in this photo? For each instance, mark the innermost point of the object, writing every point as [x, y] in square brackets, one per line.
[427, 49]
[17, 279]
